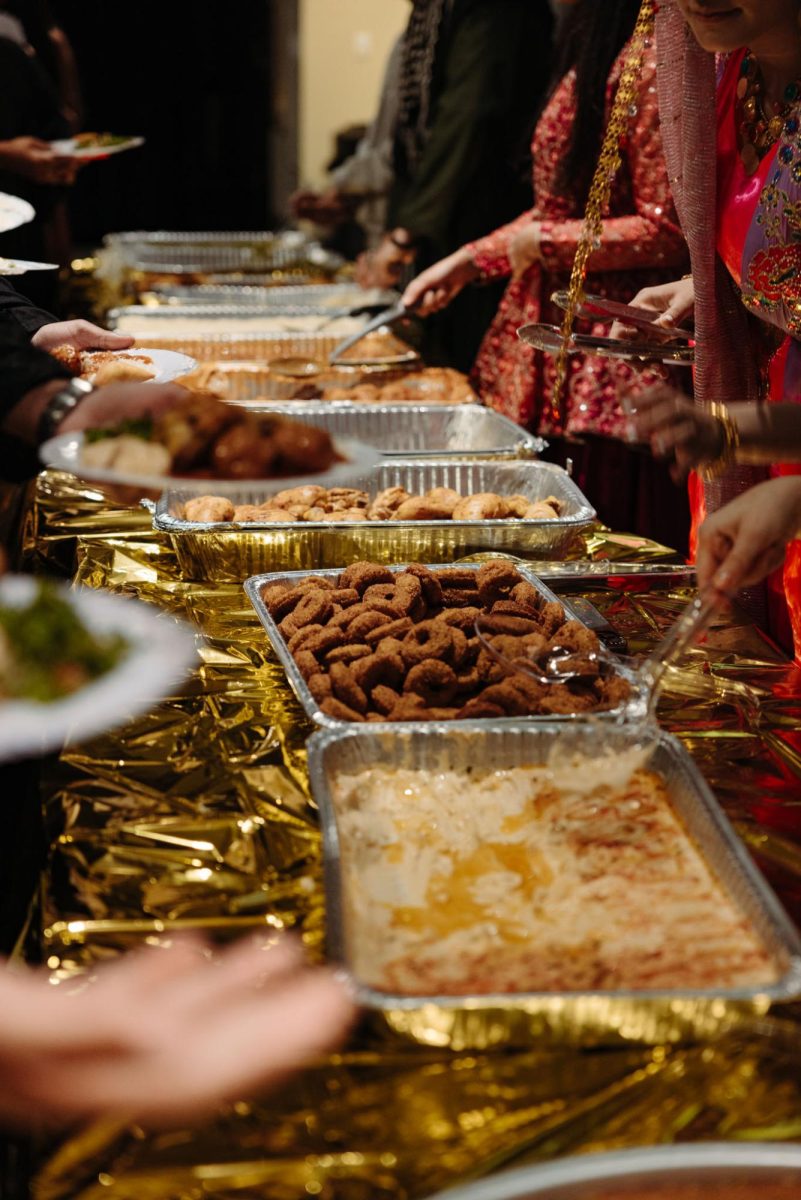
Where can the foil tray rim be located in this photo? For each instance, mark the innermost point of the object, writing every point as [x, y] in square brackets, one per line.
[787, 987]
[253, 588]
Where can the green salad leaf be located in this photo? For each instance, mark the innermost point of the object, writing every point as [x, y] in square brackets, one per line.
[141, 427]
[48, 650]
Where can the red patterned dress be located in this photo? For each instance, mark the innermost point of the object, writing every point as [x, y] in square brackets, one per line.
[641, 245]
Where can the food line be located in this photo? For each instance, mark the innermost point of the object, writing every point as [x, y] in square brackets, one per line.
[216, 830]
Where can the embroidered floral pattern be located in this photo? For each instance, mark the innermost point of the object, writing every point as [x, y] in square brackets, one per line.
[642, 245]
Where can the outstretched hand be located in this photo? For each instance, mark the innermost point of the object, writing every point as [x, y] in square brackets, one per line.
[81, 335]
[164, 1035]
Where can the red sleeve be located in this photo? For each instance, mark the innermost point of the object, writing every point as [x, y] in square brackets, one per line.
[650, 236]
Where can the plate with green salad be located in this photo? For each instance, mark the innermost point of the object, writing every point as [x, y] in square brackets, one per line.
[77, 662]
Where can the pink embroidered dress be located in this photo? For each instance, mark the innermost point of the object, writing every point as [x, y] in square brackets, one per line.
[759, 241]
[641, 245]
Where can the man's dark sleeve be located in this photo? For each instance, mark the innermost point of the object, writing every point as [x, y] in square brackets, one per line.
[477, 102]
[22, 368]
[22, 312]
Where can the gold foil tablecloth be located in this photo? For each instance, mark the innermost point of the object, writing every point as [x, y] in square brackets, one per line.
[198, 815]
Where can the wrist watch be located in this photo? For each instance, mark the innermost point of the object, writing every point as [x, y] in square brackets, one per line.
[64, 401]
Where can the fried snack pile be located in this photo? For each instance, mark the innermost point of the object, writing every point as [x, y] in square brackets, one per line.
[378, 646]
[205, 439]
[314, 503]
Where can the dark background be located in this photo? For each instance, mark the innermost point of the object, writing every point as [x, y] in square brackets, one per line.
[193, 78]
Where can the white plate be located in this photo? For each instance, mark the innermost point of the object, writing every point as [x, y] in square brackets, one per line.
[168, 364]
[162, 652]
[68, 146]
[14, 212]
[18, 266]
[64, 453]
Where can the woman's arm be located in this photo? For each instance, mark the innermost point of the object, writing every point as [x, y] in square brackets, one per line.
[650, 235]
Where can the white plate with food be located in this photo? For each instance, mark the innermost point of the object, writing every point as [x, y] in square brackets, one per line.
[19, 266]
[137, 365]
[91, 146]
[14, 211]
[200, 441]
[76, 662]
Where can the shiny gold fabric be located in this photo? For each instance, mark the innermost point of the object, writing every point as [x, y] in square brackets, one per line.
[198, 815]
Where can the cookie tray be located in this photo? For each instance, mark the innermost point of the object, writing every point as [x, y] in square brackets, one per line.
[255, 586]
[225, 552]
[579, 1018]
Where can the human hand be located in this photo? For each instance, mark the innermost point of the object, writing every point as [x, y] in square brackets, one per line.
[675, 428]
[121, 402]
[746, 539]
[37, 160]
[82, 335]
[383, 267]
[326, 208]
[436, 287]
[674, 302]
[524, 249]
[165, 1034]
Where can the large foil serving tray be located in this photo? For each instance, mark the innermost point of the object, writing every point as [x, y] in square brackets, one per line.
[230, 319]
[255, 586]
[255, 385]
[256, 347]
[224, 552]
[177, 253]
[585, 1017]
[755, 1169]
[421, 431]
[312, 300]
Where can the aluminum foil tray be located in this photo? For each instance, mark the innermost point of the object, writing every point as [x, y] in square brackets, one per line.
[424, 431]
[589, 1017]
[255, 586]
[723, 1168]
[224, 552]
[321, 300]
[197, 320]
[174, 252]
[239, 347]
[253, 384]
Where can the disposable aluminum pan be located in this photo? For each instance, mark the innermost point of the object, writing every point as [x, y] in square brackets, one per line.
[257, 347]
[254, 588]
[579, 1018]
[658, 1172]
[255, 385]
[322, 300]
[424, 431]
[178, 253]
[224, 552]
[197, 320]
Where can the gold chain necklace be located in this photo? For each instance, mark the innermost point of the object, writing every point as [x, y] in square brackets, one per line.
[758, 127]
[609, 162]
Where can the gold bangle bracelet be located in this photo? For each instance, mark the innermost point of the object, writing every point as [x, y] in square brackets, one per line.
[731, 443]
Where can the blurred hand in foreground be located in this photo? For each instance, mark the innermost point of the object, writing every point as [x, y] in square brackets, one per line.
[36, 160]
[383, 267]
[746, 539]
[675, 428]
[163, 1035]
[324, 208]
[435, 288]
[81, 335]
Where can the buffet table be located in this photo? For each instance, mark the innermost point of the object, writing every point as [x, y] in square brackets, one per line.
[199, 816]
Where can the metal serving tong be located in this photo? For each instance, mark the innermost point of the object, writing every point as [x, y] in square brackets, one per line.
[562, 665]
[692, 622]
[387, 316]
